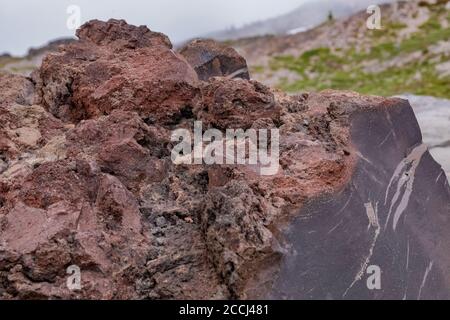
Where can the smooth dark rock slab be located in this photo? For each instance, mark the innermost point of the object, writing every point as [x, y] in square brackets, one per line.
[394, 214]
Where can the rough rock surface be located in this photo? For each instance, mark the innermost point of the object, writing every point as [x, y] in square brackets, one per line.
[86, 179]
[116, 66]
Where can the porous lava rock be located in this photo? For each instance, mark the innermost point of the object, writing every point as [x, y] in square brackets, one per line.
[116, 66]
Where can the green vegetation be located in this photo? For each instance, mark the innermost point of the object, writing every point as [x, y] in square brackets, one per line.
[23, 69]
[16, 65]
[348, 69]
[7, 60]
[257, 69]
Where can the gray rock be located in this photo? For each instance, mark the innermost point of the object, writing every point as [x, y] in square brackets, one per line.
[160, 222]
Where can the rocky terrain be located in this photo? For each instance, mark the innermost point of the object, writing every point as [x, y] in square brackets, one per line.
[86, 179]
[410, 54]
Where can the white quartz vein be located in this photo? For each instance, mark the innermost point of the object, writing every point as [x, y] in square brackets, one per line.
[372, 215]
[404, 176]
[424, 280]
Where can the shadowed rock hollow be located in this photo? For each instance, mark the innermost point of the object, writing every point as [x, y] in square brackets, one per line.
[86, 179]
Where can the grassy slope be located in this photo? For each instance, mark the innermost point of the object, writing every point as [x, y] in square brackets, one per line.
[344, 69]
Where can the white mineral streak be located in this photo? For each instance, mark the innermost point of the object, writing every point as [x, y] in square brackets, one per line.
[407, 267]
[372, 215]
[237, 73]
[424, 280]
[404, 176]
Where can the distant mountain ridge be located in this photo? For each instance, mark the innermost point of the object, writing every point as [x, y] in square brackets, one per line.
[306, 16]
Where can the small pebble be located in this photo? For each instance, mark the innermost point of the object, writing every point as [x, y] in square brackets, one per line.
[160, 241]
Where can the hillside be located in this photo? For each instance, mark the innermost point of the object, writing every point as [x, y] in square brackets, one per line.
[306, 16]
[411, 54]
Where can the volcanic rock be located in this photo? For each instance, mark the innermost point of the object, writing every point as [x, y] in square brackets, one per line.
[87, 181]
[116, 66]
[235, 103]
[211, 59]
[16, 89]
[392, 215]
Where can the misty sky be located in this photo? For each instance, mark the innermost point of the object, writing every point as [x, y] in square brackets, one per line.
[32, 23]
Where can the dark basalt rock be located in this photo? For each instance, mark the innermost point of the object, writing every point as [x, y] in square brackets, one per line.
[212, 59]
[394, 213]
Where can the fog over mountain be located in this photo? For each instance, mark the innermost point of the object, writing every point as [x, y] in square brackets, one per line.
[304, 17]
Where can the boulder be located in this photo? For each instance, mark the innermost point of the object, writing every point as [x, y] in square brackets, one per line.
[390, 220]
[116, 66]
[212, 59]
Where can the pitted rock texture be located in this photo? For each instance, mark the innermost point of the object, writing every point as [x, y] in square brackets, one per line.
[86, 176]
[116, 66]
[16, 89]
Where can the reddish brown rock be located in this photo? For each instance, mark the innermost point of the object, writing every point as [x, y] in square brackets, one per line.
[212, 59]
[121, 34]
[29, 136]
[108, 140]
[116, 66]
[236, 103]
[16, 89]
[60, 217]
